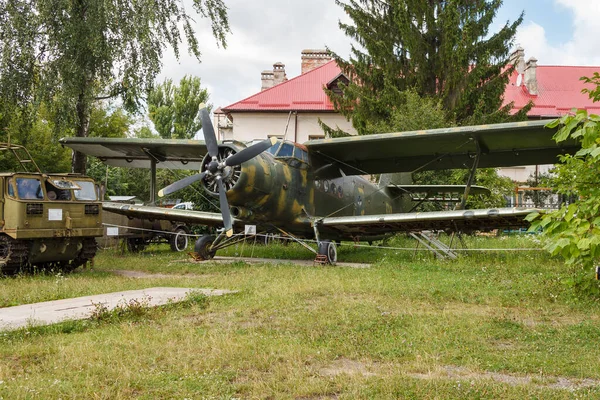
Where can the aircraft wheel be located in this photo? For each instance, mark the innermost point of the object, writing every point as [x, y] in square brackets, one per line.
[202, 247]
[329, 250]
[178, 240]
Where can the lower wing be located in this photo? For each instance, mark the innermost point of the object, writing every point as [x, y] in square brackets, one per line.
[450, 221]
[168, 214]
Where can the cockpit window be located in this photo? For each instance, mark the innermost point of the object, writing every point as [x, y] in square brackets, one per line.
[286, 150]
[87, 191]
[29, 189]
[273, 149]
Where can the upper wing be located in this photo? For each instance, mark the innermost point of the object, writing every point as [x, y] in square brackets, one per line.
[138, 153]
[501, 145]
[459, 220]
[168, 214]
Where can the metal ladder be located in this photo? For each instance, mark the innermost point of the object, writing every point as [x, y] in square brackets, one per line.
[24, 158]
[431, 242]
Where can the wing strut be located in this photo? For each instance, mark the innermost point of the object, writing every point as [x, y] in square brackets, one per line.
[154, 159]
[463, 202]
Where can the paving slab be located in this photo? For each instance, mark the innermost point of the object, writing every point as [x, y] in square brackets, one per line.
[221, 259]
[51, 312]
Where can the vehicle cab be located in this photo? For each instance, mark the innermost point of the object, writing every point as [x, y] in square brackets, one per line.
[58, 205]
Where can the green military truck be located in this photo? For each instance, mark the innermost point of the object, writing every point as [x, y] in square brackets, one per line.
[47, 221]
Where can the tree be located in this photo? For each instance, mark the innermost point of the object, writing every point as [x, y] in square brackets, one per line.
[73, 53]
[573, 231]
[174, 110]
[43, 145]
[439, 48]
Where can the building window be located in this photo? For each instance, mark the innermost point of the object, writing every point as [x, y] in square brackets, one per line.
[316, 137]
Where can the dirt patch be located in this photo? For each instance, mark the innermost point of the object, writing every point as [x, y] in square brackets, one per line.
[550, 382]
[348, 367]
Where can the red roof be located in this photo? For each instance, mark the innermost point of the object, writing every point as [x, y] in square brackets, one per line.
[302, 93]
[559, 91]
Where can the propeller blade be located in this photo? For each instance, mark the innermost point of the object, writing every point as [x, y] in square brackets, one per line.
[209, 132]
[250, 152]
[180, 184]
[225, 209]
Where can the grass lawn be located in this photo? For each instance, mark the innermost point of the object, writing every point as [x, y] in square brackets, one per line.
[485, 326]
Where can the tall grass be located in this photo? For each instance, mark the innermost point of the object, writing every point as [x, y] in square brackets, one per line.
[487, 325]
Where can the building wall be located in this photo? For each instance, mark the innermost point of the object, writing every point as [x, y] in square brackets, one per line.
[522, 174]
[302, 126]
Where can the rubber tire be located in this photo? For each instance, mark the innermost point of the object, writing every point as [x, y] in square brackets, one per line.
[202, 245]
[178, 240]
[135, 245]
[329, 250]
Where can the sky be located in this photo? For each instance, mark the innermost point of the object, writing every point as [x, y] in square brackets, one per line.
[556, 32]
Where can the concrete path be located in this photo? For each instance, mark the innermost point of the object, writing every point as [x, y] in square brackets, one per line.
[50, 312]
[311, 263]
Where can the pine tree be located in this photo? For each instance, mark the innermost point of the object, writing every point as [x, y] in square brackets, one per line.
[438, 48]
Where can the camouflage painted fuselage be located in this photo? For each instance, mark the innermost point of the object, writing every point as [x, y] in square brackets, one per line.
[285, 192]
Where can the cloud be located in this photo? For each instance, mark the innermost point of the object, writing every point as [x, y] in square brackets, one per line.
[581, 48]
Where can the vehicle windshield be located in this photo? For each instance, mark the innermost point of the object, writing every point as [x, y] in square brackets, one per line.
[87, 191]
[29, 189]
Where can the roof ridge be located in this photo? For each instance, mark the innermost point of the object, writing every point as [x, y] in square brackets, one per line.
[278, 85]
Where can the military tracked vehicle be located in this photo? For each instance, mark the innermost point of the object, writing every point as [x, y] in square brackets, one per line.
[47, 221]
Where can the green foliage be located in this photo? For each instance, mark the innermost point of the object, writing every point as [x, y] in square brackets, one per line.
[174, 109]
[37, 136]
[104, 123]
[412, 113]
[438, 48]
[71, 54]
[574, 230]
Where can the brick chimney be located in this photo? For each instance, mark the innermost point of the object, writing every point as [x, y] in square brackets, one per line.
[279, 75]
[530, 76]
[312, 59]
[517, 58]
[266, 79]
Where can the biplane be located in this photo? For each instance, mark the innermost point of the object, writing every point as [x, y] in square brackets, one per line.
[318, 190]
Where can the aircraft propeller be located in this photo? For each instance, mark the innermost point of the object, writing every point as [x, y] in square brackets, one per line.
[218, 169]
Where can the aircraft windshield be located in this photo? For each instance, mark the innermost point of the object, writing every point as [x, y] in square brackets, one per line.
[286, 150]
[291, 153]
[29, 189]
[273, 149]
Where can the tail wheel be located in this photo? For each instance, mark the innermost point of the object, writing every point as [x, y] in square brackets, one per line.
[203, 245]
[178, 240]
[328, 249]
